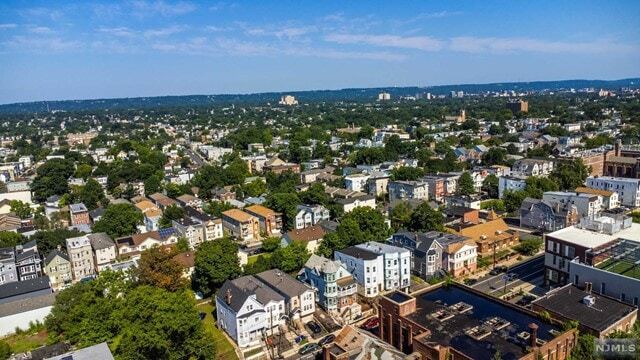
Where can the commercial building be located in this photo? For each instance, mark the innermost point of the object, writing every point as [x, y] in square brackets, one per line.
[518, 106]
[460, 323]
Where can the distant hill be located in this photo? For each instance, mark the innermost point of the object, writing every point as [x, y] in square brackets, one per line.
[363, 94]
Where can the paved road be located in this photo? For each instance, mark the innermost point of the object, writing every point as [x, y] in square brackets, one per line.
[527, 270]
[196, 159]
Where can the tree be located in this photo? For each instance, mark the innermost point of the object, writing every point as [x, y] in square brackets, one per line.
[513, 199]
[291, 258]
[490, 185]
[91, 194]
[270, 244]
[83, 171]
[21, 209]
[400, 216]
[424, 219]
[406, 173]
[255, 188]
[51, 179]
[358, 226]
[216, 208]
[158, 268]
[10, 239]
[529, 247]
[48, 240]
[182, 245]
[173, 212]
[215, 262]
[5, 350]
[119, 220]
[314, 195]
[465, 184]
[536, 186]
[153, 184]
[585, 348]
[570, 174]
[493, 204]
[287, 205]
[494, 156]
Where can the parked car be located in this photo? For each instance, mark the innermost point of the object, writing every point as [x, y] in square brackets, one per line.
[470, 281]
[314, 327]
[512, 276]
[308, 348]
[299, 339]
[372, 323]
[497, 270]
[327, 339]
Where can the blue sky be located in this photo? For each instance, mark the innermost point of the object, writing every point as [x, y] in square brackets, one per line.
[51, 50]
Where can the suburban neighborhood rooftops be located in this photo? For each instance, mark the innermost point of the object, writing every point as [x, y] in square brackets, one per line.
[359, 253]
[237, 215]
[283, 283]
[24, 287]
[235, 292]
[588, 190]
[100, 241]
[311, 233]
[260, 210]
[52, 255]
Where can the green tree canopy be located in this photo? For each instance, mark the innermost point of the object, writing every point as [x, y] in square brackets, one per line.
[215, 262]
[570, 174]
[170, 213]
[465, 184]
[158, 268]
[91, 194]
[424, 218]
[358, 226]
[119, 220]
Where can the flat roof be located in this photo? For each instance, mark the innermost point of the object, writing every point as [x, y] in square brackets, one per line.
[567, 302]
[593, 239]
[451, 332]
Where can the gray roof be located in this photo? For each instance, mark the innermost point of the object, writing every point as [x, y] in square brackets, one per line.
[28, 304]
[283, 283]
[322, 264]
[243, 287]
[358, 253]
[24, 287]
[95, 352]
[100, 241]
[52, 255]
[79, 207]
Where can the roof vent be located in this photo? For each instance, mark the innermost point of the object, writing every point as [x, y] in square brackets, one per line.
[589, 300]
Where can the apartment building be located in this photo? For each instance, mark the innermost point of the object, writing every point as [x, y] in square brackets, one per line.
[377, 267]
[408, 190]
[628, 190]
[299, 298]
[79, 214]
[81, 257]
[58, 267]
[378, 183]
[269, 220]
[309, 215]
[132, 246]
[609, 198]
[510, 183]
[587, 205]
[241, 225]
[212, 226]
[8, 265]
[191, 230]
[28, 262]
[543, 215]
[104, 250]
[353, 202]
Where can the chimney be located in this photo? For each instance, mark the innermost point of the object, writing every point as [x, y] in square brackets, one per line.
[533, 331]
[588, 286]
[228, 295]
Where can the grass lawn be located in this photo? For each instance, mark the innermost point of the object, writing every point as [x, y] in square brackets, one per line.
[621, 267]
[25, 342]
[254, 258]
[224, 349]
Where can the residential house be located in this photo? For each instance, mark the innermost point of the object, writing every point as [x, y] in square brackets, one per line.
[151, 213]
[356, 182]
[104, 250]
[543, 215]
[336, 289]
[131, 247]
[299, 298]
[587, 205]
[351, 203]
[162, 201]
[212, 226]
[408, 190]
[190, 229]
[79, 214]
[246, 309]
[459, 258]
[532, 167]
[309, 215]
[510, 183]
[189, 200]
[436, 187]
[310, 236]
[187, 261]
[58, 267]
[378, 183]
[493, 235]
[81, 257]
[8, 271]
[269, 220]
[609, 198]
[28, 262]
[278, 166]
[377, 267]
[241, 225]
[312, 176]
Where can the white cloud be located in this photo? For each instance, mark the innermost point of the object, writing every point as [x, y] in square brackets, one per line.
[117, 31]
[43, 30]
[213, 28]
[41, 12]
[425, 43]
[164, 31]
[8, 26]
[506, 45]
[41, 44]
[145, 8]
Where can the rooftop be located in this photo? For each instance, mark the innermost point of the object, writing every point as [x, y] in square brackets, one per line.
[592, 239]
[237, 215]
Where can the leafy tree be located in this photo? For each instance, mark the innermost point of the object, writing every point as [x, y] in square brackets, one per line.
[494, 156]
[270, 244]
[173, 212]
[119, 220]
[216, 208]
[158, 268]
[153, 184]
[314, 195]
[51, 179]
[286, 204]
[358, 226]
[83, 171]
[284, 182]
[215, 262]
[20, 208]
[91, 194]
[513, 199]
[536, 186]
[585, 348]
[255, 188]
[182, 245]
[424, 218]
[48, 240]
[406, 173]
[290, 258]
[529, 247]
[494, 204]
[10, 239]
[490, 185]
[465, 184]
[262, 263]
[401, 216]
[570, 174]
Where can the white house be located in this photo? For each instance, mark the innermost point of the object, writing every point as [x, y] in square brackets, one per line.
[309, 215]
[356, 182]
[628, 189]
[510, 183]
[354, 202]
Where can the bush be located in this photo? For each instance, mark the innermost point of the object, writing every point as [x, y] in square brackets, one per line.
[529, 247]
[5, 350]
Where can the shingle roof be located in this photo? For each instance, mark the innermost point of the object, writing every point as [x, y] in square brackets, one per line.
[260, 210]
[315, 232]
[24, 287]
[243, 287]
[100, 241]
[52, 255]
[322, 264]
[237, 215]
[282, 283]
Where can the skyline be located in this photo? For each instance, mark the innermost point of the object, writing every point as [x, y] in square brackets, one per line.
[79, 50]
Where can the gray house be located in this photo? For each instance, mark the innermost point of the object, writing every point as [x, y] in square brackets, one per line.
[8, 266]
[542, 215]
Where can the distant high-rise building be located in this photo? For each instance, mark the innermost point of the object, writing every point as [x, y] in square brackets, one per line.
[384, 96]
[288, 100]
[518, 106]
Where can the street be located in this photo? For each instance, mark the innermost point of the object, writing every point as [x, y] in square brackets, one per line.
[527, 272]
[196, 159]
